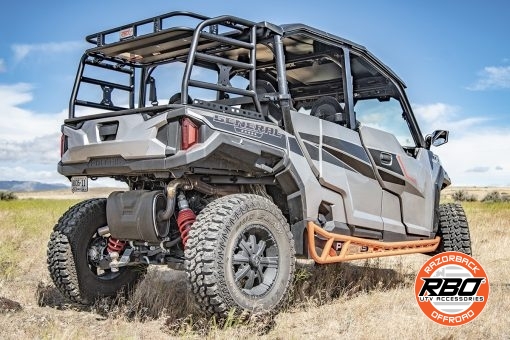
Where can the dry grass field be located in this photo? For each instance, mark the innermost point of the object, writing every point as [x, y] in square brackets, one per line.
[358, 300]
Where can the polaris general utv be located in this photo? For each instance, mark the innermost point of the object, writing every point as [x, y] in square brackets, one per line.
[243, 145]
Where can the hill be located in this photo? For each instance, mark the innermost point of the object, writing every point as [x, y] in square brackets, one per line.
[28, 186]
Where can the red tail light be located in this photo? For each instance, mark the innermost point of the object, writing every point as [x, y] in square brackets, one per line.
[63, 144]
[189, 133]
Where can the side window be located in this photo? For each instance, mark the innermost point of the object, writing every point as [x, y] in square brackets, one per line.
[376, 101]
[385, 115]
[314, 76]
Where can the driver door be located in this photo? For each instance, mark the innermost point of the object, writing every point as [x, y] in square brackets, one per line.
[403, 170]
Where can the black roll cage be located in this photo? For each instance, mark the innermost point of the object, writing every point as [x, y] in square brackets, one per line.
[150, 43]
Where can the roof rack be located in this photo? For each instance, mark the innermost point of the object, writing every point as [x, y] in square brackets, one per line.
[133, 30]
[158, 40]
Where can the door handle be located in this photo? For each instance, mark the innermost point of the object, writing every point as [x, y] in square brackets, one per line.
[386, 158]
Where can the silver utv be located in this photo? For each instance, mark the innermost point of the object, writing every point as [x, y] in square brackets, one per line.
[243, 145]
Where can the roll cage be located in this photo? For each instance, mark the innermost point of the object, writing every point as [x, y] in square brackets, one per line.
[313, 64]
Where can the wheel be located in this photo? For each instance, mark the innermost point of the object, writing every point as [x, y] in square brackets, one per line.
[453, 229]
[240, 255]
[73, 250]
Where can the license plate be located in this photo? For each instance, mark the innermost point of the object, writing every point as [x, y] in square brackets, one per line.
[79, 184]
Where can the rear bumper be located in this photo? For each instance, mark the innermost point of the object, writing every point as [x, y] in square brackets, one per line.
[151, 146]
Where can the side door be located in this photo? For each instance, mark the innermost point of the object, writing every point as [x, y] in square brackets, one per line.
[402, 168]
[339, 161]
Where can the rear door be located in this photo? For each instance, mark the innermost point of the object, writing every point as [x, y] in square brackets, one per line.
[341, 164]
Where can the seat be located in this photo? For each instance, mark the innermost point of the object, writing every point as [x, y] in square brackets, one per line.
[328, 108]
[176, 99]
[269, 109]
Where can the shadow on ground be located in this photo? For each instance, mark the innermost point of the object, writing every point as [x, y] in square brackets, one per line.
[163, 293]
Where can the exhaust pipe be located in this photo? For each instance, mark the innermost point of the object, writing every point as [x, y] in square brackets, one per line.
[171, 191]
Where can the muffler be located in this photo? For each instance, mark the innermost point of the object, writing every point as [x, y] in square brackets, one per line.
[133, 215]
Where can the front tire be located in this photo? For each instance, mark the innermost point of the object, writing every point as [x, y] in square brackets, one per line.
[71, 269]
[240, 255]
[453, 229]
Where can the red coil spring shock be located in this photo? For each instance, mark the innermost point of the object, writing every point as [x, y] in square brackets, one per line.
[115, 245]
[185, 218]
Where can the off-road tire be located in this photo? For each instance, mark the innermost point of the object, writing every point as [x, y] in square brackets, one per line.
[453, 229]
[219, 231]
[67, 256]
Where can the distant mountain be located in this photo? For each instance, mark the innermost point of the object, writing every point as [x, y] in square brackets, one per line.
[23, 186]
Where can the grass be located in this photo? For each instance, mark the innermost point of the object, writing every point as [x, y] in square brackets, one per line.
[361, 299]
[25, 223]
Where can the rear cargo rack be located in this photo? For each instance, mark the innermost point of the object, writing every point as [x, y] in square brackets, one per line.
[99, 39]
[147, 43]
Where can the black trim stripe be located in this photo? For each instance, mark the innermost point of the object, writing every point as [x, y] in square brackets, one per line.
[329, 158]
[358, 166]
[313, 151]
[387, 177]
[394, 167]
[348, 147]
[311, 138]
[294, 146]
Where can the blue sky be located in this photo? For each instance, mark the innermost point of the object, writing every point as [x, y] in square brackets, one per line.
[453, 55]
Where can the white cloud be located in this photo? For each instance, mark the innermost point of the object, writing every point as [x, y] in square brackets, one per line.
[477, 157]
[2, 66]
[24, 125]
[443, 116]
[473, 154]
[41, 150]
[479, 169]
[30, 141]
[21, 51]
[492, 77]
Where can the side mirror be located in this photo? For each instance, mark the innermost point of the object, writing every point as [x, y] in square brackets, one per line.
[437, 138]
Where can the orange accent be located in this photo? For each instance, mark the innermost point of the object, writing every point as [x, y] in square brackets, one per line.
[374, 248]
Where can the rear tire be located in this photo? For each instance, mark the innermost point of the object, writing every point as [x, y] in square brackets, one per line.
[240, 255]
[73, 273]
[453, 229]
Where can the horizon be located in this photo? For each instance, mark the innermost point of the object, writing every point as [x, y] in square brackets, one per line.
[453, 59]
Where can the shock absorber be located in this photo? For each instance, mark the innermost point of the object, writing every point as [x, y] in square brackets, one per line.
[185, 218]
[115, 245]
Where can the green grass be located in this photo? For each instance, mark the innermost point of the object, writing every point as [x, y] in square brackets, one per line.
[25, 225]
[487, 207]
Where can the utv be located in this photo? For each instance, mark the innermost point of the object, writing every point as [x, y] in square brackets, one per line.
[244, 145]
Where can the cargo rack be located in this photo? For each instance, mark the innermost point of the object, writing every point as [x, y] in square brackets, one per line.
[147, 43]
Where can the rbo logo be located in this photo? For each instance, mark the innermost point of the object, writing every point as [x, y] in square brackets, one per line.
[452, 288]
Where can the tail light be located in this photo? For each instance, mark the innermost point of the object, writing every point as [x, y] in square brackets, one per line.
[63, 144]
[189, 133]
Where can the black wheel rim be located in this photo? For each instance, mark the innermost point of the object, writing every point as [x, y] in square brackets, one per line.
[96, 250]
[255, 260]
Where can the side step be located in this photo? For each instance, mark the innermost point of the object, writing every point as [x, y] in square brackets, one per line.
[355, 248]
